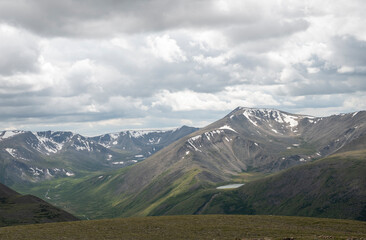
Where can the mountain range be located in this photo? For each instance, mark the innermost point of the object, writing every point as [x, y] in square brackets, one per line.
[246, 145]
[27, 157]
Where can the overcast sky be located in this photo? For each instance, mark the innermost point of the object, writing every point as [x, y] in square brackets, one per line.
[94, 66]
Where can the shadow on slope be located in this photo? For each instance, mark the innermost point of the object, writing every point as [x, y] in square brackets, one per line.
[18, 209]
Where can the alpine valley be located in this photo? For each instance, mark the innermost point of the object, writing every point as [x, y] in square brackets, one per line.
[284, 163]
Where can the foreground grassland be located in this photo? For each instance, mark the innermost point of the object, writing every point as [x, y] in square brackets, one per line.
[193, 227]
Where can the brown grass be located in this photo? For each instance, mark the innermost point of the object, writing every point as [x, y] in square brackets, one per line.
[193, 227]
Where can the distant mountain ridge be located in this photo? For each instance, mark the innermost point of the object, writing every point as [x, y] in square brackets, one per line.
[247, 140]
[35, 156]
[143, 142]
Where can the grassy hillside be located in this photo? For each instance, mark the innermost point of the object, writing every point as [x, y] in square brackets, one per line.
[193, 227]
[18, 209]
[86, 197]
[95, 197]
[332, 187]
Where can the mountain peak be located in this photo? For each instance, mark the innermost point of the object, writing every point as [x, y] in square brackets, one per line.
[267, 111]
[11, 133]
[255, 115]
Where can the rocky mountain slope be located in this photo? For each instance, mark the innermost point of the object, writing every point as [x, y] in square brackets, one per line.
[245, 141]
[142, 143]
[18, 209]
[36, 156]
[250, 140]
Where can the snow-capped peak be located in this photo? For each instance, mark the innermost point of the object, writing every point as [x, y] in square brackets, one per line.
[51, 142]
[141, 133]
[265, 114]
[9, 134]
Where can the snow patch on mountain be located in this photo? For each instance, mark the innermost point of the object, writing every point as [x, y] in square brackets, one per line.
[9, 134]
[154, 140]
[291, 120]
[36, 171]
[248, 115]
[117, 163]
[15, 154]
[192, 144]
[81, 144]
[278, 117]
[284, 119]
[227, 127]
[212, 133]
[274, 130]
[69, 174]
[47, 144]
[142, 133]
[195, 138]
[114, 135]
[354, 114]
[207, 135]
[11, 151]
[151, 137]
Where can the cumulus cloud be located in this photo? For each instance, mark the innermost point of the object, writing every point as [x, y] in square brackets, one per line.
[229, 98]
[19, 51]
[166, 48]
[163, 63]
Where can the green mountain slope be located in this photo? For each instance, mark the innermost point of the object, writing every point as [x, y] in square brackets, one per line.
[332, 187]
[18, 209]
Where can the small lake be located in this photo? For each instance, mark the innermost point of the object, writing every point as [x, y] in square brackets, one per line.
[230, 186]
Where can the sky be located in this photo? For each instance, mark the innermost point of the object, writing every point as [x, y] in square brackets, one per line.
[94, 67]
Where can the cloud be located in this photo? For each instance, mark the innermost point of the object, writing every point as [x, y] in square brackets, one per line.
[348, 52]
[19, 51]
[355, 102]
[166, 48]
[161, 63]
[225, 100]
[100, 19]
[270, 28]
